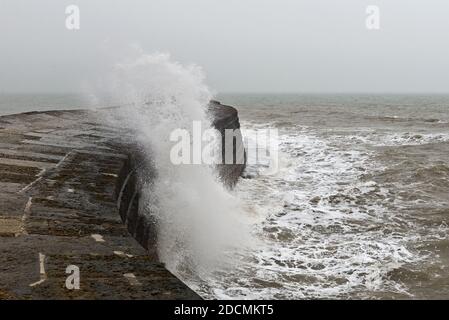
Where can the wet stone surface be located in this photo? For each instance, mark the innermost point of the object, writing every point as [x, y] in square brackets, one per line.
[60, 175]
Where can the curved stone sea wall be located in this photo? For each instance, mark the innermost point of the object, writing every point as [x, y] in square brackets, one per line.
[137, 169]
[68, 185]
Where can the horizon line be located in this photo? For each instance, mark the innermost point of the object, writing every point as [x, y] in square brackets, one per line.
[250, 92]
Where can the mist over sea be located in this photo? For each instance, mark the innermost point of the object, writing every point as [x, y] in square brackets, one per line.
[11, 103]
[358, 209]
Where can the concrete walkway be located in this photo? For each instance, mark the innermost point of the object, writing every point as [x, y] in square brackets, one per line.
[59, 177]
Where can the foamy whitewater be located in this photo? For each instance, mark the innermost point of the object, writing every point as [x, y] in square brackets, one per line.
[358, 208]
[197, 219]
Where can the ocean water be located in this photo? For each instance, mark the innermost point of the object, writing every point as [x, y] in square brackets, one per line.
[11, 103]
[358, 209]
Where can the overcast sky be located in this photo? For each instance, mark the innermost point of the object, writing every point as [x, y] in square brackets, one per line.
[243, 45]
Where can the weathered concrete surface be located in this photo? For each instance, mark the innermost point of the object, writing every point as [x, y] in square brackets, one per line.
[70, 197]
[58, 176]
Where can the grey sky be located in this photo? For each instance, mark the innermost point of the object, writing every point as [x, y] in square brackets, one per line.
[243, 45]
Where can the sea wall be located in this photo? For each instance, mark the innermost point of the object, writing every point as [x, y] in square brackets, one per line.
[70, 198]
[137, 169]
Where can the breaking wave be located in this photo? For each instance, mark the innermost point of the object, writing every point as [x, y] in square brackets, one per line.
[341, 219]
[197, 218]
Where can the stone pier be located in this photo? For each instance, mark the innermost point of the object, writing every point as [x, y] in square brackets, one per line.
[70, 198]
